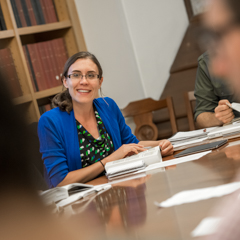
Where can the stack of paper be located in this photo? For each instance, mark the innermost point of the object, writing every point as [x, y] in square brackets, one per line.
[133, 163]
[190, 137]
[58, 193]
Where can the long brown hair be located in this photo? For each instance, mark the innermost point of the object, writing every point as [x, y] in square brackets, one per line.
[63, 100]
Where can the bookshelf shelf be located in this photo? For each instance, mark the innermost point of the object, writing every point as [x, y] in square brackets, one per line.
[44, 28]
[6, 34]
[22, 99]
[52, 42]
[48, 92]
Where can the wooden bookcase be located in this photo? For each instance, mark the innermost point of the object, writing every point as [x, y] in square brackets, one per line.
[14, 38]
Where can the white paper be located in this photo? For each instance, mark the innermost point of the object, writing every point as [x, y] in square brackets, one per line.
[188, 142]
[187, 134]
[195, 195]
[207, 226]
[190, 134]
[173, 162]
[81, 195]
[235, 106]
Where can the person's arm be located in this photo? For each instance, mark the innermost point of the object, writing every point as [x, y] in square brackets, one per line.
[88, 173]
[206, 100]
[207, 119]
[165, 145]
[222, 114]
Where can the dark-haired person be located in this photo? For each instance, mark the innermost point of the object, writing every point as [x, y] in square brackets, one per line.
[212, 93]
[23, 215]
[83, 133]
[223, 26]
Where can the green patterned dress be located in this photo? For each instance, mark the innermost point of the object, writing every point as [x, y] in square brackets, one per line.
[92, 150]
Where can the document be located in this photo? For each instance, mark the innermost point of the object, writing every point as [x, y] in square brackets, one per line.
[58, 193]
[235, 106]
[184, 139]
[133, 163]
[195, 195]
[80, 195]
[168, 163]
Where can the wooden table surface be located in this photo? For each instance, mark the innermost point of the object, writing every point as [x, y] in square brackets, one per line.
[127, 210]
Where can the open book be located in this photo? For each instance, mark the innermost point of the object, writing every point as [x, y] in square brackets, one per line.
[133, 163]
[58, 193]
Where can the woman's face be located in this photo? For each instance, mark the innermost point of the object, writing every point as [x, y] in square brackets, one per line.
[83, 90]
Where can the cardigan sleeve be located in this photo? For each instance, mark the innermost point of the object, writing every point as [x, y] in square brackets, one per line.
[125, 130]
[52, 149]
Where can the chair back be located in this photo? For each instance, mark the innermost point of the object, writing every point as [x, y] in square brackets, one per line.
[189, 102]
[141, 111]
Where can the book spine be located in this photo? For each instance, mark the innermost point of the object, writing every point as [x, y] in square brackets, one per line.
[54, 66]
[30, 69]
[63, 52]
[31, 13]
[51, 12]
[20, 13]
[36, 13]
[56, 51]
[25, 12]
[37, 67]
[14, 8]
[44, 10]
[2, 20]
[46, 69]
[11, 75]
[48, 107]
[40, 11]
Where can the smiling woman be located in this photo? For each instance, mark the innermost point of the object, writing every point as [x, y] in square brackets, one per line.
[83, 132]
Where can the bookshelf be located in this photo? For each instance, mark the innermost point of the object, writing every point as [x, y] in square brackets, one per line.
[67, 27]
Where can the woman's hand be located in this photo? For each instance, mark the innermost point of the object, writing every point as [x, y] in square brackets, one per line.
[127, 150]
[166, 147]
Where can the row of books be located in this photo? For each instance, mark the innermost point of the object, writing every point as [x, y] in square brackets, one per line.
[9, 73]
[45, 62]
[2, 21]
[33, 12]
[45, 108]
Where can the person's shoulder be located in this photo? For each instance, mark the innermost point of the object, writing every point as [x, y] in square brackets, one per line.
[106, 101]
[53, 114]
[204, 58]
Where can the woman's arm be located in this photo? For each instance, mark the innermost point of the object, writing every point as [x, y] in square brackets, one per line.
[165, 145]
[88, 173]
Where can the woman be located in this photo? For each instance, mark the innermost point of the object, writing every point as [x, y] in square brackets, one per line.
[83, 133]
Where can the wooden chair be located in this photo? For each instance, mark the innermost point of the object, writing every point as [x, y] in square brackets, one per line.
[189, 101]
[141, 111]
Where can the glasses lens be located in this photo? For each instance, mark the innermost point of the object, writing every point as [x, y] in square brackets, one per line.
[91, 76]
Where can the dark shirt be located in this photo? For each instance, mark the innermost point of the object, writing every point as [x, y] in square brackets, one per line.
[210, 90]
[93, 150]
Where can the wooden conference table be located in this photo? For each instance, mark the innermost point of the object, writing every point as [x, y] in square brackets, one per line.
[127, 210]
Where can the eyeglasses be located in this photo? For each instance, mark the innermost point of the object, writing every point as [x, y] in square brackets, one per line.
[78, 76]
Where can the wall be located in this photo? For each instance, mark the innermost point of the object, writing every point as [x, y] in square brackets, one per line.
[135, 41]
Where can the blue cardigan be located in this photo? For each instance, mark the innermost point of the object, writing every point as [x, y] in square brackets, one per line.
[58, 138]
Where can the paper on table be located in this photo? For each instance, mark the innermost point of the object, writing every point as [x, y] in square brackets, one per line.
[207, 226]
[173, 162]
[190, 134]
[78, 196]
[199, 194]
[188, 142]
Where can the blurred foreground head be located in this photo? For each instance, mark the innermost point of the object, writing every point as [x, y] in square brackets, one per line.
[14, 146]
[222, 21]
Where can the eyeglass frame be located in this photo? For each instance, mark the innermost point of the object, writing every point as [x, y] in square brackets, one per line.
[69, 76]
